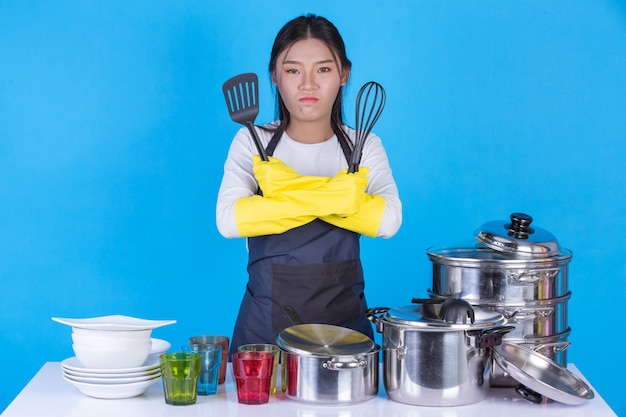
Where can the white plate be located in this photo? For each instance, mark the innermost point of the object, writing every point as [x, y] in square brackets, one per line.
[112, 391]
[114, 322]
[73, 373]
[73, 364]
[108, 381]
[159, 346]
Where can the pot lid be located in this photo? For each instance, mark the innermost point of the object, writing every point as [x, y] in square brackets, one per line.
[518, 237]
[541, 374]
[428, 315]
[323, 339]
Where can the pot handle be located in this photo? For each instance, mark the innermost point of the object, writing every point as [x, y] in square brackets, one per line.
[528, 314]
[338, 366]
[417, 300]
[373, 315]
[528, 394]
[493, 337]
[535, 277]
[555, 346]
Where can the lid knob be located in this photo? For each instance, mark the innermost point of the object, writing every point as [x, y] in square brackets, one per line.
[456, 311]
[520, 226]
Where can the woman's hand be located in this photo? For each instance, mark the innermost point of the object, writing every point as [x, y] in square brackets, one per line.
[274, 177]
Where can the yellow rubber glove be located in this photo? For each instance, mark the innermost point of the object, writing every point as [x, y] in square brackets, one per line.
[286, 207]
[340, 195]
[259, 215]
[366, 221]
[274, 176]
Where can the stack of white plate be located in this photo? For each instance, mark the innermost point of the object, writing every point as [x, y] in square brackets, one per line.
[115, 355]
[110, 383]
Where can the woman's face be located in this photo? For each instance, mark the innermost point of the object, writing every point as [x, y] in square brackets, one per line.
[308, 78]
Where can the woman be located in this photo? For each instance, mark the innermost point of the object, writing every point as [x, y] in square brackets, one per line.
[304, 225]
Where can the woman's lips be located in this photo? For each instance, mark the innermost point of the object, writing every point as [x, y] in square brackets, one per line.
[308, 100]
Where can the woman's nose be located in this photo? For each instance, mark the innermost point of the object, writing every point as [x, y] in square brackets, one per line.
[307, 81]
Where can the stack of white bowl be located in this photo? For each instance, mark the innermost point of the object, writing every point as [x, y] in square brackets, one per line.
[116, 356]
[113, 363]
[111, 349]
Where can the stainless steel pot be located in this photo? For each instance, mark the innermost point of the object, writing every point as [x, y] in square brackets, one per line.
[533, 318]
[329, 364]
[506, 262]
[430, 361]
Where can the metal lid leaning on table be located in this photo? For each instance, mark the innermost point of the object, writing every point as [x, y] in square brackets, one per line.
[541, 374]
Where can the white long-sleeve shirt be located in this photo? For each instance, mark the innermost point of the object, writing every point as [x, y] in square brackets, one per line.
[320, 159]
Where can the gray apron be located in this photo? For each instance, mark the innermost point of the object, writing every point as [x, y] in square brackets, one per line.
[314, 269]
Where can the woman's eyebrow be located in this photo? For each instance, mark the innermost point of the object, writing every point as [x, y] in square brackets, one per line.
[292, 61]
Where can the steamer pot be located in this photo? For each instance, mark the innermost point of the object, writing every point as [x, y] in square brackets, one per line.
[533, 319]
[429, 361]
[329, 364]
[508, 261]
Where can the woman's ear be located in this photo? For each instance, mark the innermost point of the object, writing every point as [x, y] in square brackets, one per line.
[274, 78]
[344, 77]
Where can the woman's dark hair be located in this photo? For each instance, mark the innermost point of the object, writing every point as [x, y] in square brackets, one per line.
[310, 27]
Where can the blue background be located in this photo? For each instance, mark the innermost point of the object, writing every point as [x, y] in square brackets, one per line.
[113, 134]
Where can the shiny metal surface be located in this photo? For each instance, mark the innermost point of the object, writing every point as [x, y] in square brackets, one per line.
[332, 380]
[533, 319]
[458, 275]
[553, 347]
[542, 374]
[433, 368]
[323, 339]
[426, 317]
[517, 236]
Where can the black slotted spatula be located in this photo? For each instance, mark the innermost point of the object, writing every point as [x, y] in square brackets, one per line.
[242, 99]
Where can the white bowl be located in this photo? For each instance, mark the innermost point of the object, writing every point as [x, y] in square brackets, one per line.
[112, 357]
[108, 342]
[111, 391]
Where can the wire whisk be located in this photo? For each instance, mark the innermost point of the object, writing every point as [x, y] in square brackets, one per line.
[367, 112]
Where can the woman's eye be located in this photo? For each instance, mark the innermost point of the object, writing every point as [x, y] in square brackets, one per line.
[324, 69]
[292, 71]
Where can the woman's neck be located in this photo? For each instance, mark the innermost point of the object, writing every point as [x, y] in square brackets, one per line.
[309, 132]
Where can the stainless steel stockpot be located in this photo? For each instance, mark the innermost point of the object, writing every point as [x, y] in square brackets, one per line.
[430, 361]
[506, 262]
[329, 364]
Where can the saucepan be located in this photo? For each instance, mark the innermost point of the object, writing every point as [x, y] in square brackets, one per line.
[329, 364]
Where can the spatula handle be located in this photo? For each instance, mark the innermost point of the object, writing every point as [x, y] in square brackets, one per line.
[257, 141]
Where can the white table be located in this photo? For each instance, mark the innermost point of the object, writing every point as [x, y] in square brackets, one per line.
[47, 394]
